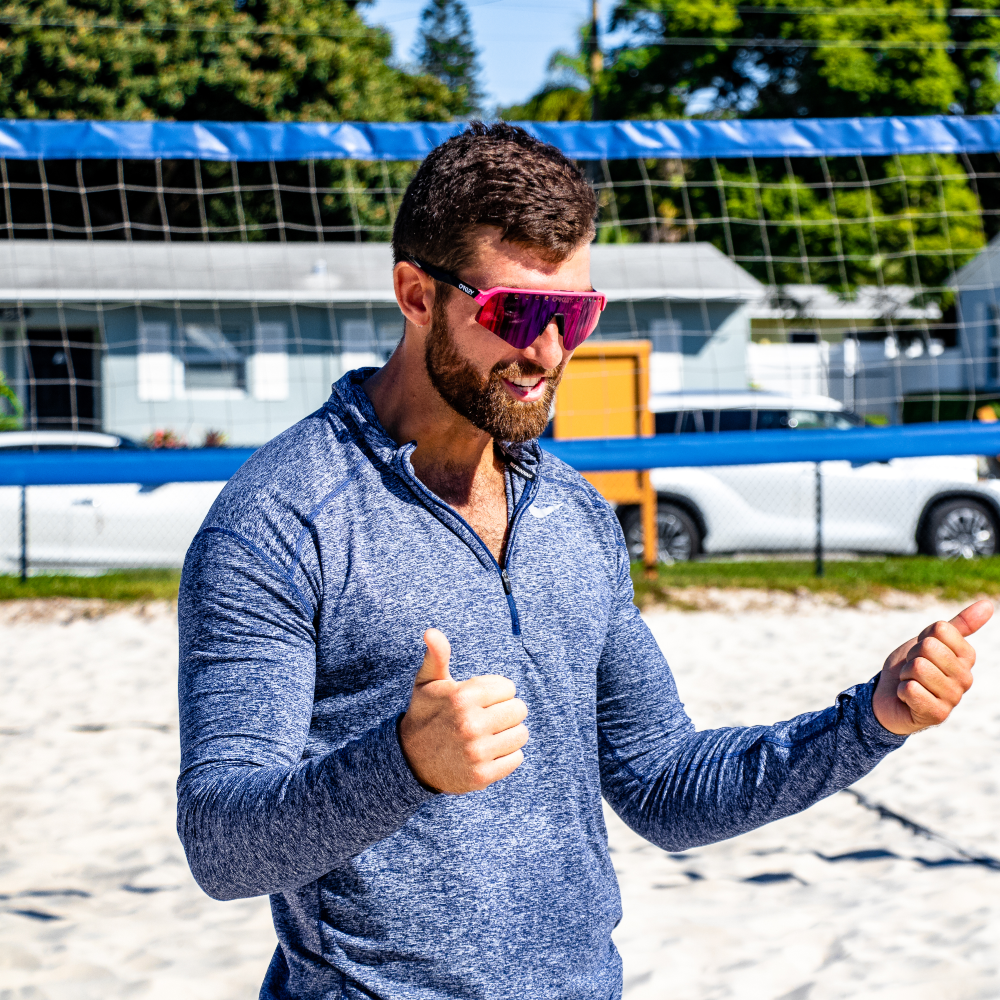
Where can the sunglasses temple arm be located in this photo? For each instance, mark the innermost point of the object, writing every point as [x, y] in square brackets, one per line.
[439, 275]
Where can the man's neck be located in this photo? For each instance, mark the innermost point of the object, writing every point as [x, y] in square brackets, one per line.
[453, 458]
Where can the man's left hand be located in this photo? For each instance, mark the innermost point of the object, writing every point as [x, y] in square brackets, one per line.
[925, 678]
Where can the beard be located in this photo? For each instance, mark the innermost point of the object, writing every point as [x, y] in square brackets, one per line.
[482, 399]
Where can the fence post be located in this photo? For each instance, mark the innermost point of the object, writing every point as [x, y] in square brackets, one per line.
[819, 519]
[24, 532]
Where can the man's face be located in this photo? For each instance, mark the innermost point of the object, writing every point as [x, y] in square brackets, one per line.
[505, 392]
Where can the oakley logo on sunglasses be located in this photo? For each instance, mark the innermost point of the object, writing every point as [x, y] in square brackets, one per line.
[519, 316]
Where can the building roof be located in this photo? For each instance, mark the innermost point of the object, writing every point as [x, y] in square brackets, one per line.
[37, 271]
[805, 302]
[983, 271]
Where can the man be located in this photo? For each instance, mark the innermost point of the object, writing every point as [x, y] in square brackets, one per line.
[415, 841]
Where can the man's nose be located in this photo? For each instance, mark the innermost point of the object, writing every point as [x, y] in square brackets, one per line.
[547, 349]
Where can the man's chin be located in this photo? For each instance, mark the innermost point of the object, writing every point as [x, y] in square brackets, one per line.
[517, 422]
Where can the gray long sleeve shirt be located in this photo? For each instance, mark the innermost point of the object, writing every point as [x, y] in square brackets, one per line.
[303, 601]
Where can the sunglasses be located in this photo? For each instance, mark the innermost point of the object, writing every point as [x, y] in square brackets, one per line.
[519, 315]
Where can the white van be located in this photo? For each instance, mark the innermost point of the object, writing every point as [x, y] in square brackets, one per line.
[945, 506]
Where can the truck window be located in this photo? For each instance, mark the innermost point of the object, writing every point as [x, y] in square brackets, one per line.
[771, 420]
[808, 420]
[666, 423]
[734, 420]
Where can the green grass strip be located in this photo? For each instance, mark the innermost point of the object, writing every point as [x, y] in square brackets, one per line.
[123, 585]
[853, 580]
[864, 579]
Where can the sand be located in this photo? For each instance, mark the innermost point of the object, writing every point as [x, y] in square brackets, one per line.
[841, 901]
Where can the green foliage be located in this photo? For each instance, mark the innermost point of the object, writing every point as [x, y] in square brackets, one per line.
[256, 60]
[889, 57]
[12, 420]
[260, 60]
[567, 96]
[446, 50]
[908, 220]
[905, 220]
[551, 104]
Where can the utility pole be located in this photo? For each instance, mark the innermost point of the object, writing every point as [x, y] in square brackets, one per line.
[595, 60]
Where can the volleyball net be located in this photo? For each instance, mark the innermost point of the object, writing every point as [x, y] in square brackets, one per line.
[183, 285]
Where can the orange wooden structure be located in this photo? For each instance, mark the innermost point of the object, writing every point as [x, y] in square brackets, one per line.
[604, 394]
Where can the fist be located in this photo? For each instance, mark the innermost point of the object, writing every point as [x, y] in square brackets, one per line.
[456, 736]
[925, 678]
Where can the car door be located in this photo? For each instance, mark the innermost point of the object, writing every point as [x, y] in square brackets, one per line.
[778, 506]
[152, 526]
[106, 526]
[869, 508]
[10, 529]
[778, 498]
[136, 526]
[877, 507]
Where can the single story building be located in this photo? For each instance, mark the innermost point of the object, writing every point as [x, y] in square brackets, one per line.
[977, 287]
[246, 338]
[869, 350]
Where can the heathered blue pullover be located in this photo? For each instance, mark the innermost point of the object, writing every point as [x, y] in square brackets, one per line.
[303, 602]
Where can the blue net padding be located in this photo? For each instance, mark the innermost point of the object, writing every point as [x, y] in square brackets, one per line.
[612, 140]
[55, 468]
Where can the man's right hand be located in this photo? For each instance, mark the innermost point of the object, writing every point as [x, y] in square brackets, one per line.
[461, 736]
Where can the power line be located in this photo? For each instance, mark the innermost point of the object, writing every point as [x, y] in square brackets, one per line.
[854, 11]
[811, 43]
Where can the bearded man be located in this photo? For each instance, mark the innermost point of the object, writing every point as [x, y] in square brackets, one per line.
[414, 842]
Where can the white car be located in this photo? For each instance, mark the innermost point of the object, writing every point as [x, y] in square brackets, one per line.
[943, 506]
[102, 526]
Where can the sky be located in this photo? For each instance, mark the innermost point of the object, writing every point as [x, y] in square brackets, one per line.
[515, 38]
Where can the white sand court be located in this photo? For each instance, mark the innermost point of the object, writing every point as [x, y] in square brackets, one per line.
[893, 893]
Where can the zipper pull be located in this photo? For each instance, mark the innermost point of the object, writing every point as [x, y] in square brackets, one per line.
[505, 580]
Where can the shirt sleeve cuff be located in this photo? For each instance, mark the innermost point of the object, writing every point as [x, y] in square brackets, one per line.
[405, 786]
[871, 730]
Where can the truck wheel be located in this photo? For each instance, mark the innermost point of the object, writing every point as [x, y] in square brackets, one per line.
[680, 539]
[961, 529]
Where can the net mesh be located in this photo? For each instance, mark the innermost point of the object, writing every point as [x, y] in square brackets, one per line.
[186, 302]
[875, 240]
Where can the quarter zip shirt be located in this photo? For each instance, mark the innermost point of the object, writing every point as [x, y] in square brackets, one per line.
[303, 601]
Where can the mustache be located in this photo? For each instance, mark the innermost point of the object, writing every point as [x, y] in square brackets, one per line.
[523, 369]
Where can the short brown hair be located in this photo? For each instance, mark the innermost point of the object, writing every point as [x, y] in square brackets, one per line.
[494, 175]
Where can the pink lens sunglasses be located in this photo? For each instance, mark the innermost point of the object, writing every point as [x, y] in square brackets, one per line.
[519, 315]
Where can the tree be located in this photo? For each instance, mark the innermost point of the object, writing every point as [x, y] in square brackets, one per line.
[446, 50]
[252, 60]
[792, 58]
[256, 60]
[795, 58]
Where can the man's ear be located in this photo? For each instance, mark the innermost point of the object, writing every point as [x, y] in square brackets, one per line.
[414, 293]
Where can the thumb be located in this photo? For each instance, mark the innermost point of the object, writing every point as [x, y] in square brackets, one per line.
[973, 618]
[435, 665]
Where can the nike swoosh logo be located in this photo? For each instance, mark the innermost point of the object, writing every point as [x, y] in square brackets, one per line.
[543, 511]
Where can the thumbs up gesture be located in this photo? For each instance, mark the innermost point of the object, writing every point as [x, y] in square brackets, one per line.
[925, 678]
[461, 736]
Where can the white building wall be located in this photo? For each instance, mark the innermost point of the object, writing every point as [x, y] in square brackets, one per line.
[798, 369]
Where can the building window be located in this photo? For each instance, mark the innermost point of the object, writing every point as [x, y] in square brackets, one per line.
[212, 358]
